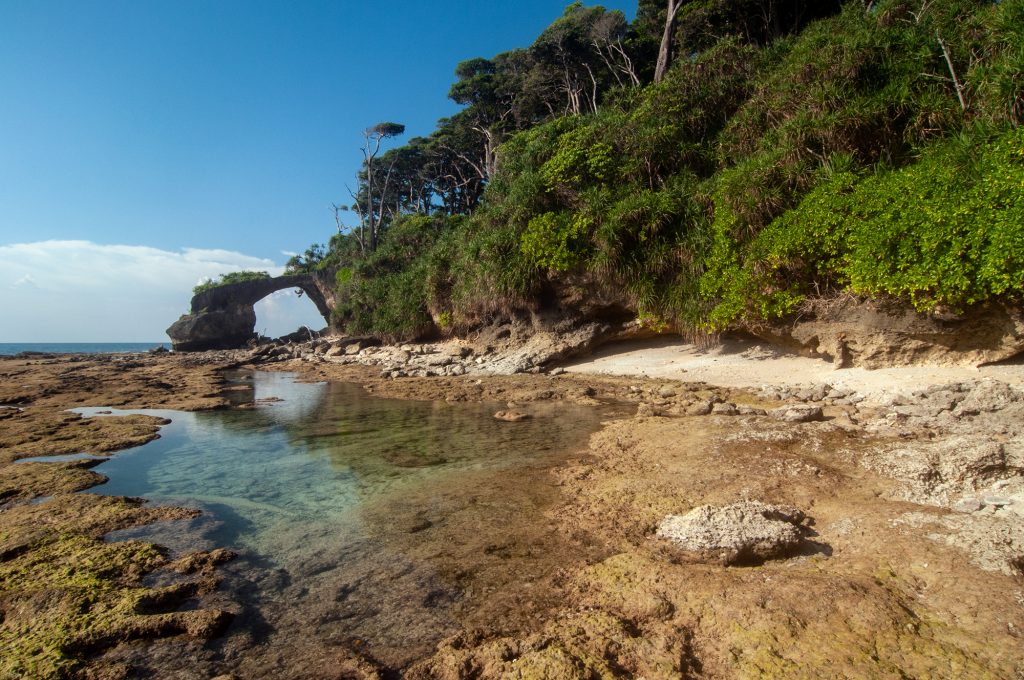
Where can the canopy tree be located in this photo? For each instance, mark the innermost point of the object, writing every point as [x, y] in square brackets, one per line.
[368, 201]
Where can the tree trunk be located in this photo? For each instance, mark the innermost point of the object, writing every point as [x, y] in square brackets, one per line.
[665, 51]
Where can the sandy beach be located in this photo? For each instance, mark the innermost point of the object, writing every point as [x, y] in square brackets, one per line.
[751, 364]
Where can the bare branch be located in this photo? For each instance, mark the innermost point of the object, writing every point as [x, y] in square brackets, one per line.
[957, 85]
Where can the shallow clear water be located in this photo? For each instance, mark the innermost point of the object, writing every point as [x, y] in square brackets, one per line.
[391, 522]
[317, 454]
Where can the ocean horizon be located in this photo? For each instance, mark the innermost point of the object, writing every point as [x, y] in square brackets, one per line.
[12, 348]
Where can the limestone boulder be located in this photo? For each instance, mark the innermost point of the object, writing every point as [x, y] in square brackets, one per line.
[797, 413]
[743, 533]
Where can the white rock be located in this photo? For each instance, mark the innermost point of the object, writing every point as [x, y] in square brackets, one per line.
[748, 532]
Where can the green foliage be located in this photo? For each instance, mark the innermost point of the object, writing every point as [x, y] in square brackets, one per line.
[946, 230]
[578, 160]
[481, 269]
[996, 84]
[314, 259]
[555, 240]
[387, 292]
[385, 129]
[392, 305]
[229, 278]
[343, 276]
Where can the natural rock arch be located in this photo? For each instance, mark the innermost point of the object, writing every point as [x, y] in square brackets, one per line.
[224, 317]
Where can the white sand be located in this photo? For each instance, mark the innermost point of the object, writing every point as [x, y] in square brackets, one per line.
[751, 364]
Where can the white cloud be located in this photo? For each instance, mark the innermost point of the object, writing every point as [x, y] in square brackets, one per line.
[25, 280]
[285, 311]
[79, 291]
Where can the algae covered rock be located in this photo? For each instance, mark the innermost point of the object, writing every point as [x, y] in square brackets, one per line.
[511, 416]
[748, 532]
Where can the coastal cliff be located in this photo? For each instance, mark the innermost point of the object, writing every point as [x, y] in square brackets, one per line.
[223, 316]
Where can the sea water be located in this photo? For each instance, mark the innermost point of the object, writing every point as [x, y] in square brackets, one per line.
[12, 348]
[392, 523]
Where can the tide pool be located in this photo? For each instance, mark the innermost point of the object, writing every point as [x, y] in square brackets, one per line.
[390, 522]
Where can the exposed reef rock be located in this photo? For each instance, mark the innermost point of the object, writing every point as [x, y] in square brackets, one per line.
[853, 332]
[499, 349]
[224, 318]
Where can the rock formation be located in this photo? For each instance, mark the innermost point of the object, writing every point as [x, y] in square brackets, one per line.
[224, 317]
[747, 532]
[855, 332]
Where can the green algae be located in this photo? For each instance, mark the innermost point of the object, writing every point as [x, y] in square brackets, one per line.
[70, 595]
[65, 593]
[35, 480]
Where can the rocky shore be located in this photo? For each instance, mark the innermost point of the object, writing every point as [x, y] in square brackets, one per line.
[800, 529]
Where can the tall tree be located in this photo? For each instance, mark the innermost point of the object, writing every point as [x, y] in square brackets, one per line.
[457, 163]
[489, 106]
[608, 36]
[565, 50]
[368, 201]
[667, 34]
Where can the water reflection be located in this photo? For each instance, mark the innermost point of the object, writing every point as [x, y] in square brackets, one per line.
[312, 452]
[394, 522]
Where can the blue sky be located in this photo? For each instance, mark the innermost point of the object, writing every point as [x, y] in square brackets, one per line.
[189, 127]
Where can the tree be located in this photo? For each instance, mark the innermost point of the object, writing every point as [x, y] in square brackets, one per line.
[308, 261]
[457, 163]
[608, 34]
[566, 52]
[368, 204]
[691, 26]
[667, 34]
[489, 106]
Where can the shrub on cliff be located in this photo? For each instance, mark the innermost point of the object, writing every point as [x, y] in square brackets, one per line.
[230, 277]
[386, 293]
[947, 230]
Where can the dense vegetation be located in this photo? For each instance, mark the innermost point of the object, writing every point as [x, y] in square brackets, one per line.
[794, 149]
[230, 277]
